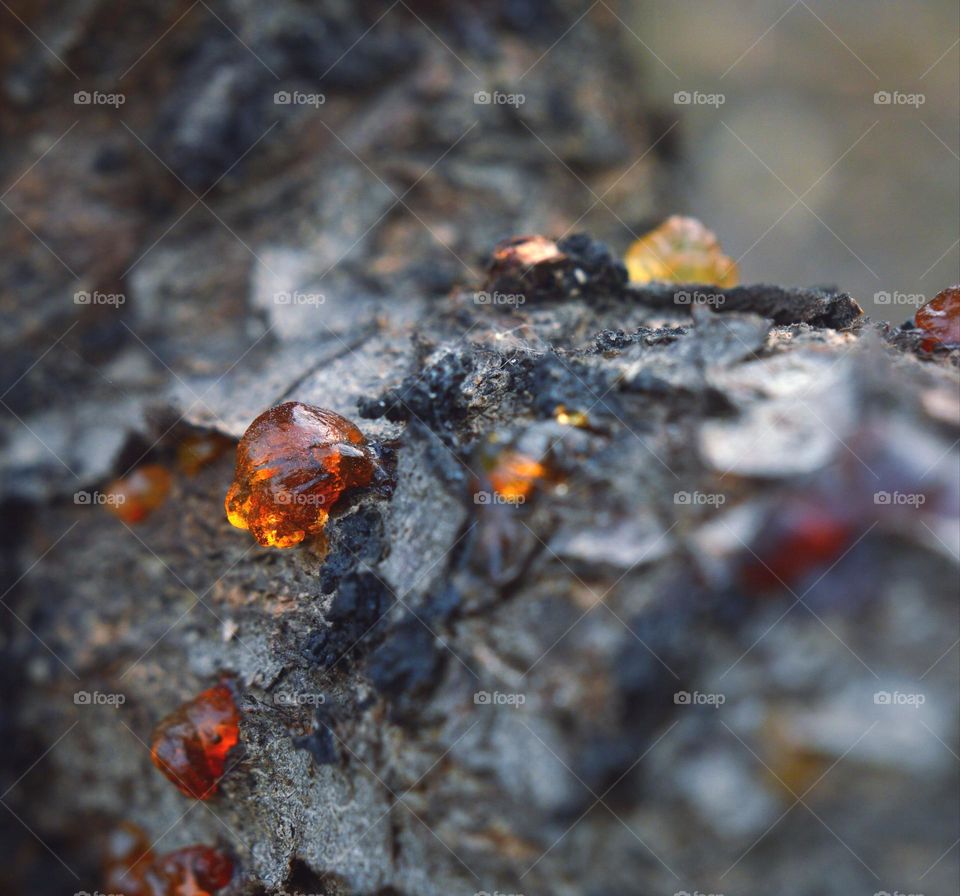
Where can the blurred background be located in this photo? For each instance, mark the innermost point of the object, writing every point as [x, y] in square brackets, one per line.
[813, 177]
[784, 145]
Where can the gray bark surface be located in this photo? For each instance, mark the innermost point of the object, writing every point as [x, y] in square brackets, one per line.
[371, 760]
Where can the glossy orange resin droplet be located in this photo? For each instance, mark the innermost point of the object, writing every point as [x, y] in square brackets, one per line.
[940, 319]
[190, 745]
[681, 250]
[135, 496]
[293, 464]
[201, 449]
[525, 251]
[514, 475]
[131, 868]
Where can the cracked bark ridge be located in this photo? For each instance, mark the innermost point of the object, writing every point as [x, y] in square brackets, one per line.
[820, 307]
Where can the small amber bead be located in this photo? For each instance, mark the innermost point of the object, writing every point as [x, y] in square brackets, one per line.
[939, 319]
[134, 497]
[131, 867]
[681, 250]
[525, 251]
[802, 539]
[293, 464]
[513, 475]
[566, 417]
[208, 868]
[200, 449]
[127, 856]
[190, 745]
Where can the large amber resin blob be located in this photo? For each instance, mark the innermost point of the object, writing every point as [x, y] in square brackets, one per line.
[133, 869]
[293, 463]
[939, 319]
[190, 745]
[680, 250]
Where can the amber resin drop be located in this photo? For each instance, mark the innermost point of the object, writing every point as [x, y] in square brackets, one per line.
[681, 250]
[135, 496]
[201, 867]
[190, 745]
[803, 538]
[127, 858]
[293, 463]
[514, 475]
[131, 867]
[200, 449]
[525, 251]
[939, 319]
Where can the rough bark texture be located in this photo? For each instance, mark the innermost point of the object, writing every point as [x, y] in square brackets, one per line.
[370, 760]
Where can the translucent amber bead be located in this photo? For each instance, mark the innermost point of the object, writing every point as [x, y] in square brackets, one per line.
[127, 857]
[131, 868]
[513, 475]
[939, 319]
[202, 867]
[525, 251]
[135, 496]
[190, 745]
[198, 450]
[293, 464]
[681, 250]
[565, 417]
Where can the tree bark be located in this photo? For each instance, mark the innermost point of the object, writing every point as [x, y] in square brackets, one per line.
[459, 695]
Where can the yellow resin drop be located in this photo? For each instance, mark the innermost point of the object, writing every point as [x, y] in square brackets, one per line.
[680, 250]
